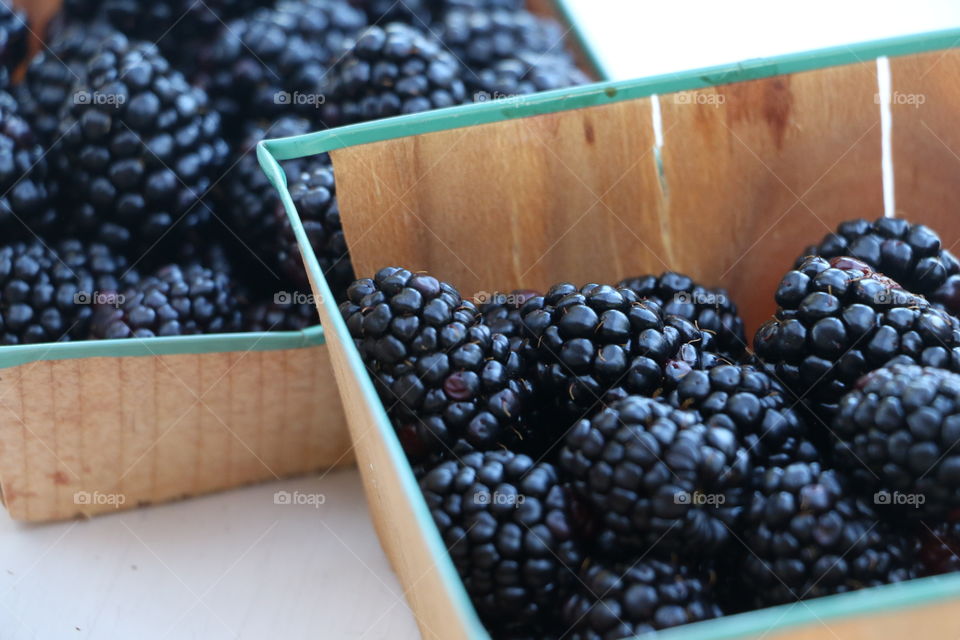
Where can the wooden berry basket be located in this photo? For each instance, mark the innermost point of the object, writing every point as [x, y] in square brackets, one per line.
[92, 427]
[724, 173]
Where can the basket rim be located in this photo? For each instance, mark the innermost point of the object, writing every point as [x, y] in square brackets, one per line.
[912, 594]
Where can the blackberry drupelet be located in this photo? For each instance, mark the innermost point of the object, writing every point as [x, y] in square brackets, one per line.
[837, 319]
[141, 148]
[627, 599]
[13, 41]
[939, 547]
[710, 309]
[809, 537]
[172, 301]
[507, 524]
[525, 73]
[897, 432]
[480, 38]
[273, 62]
[911, 254]
[48, 85]
[389, 71]
[600, 343]
[44, 296]
[313, 190]
[281, 314]
[659, 478]
[27, 193]
[443, 378]
[502, 313]
[749, 402]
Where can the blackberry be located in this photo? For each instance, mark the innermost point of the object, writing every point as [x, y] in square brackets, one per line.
[479, 38]
[27, 194]
[440, 7]
[809, 537]
[939, 548]
[626, 599]
[273, 61]
[13, 41]
[525, 73]
[599, 343]
[507, 524]
[911, 254]
[172, 301]
[141, 147]
[502, 313]
[46, 296]
[393, 70]
[749, 402]
[837, 319]
[710, 309]
[313, 190]
[443, 378]
[897, 432]
[281, 314]
[415, 12]
[48, 84]
[658, 478]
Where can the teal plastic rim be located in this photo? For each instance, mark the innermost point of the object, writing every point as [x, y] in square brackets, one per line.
[876, 600]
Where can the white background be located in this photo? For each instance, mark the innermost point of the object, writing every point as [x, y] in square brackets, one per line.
[238, 565]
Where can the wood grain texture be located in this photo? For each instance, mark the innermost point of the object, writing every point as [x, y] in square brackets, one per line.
[926, 140]
[137, 430]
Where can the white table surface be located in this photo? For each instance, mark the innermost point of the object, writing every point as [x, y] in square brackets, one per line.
[236, 565]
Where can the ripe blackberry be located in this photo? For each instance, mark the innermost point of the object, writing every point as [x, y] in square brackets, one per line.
[27, 193]
[392, 70]
[139, 145]
[48, 84]
[627, 599]
[507, 524]
[281, 315]
[13, 41]
[273, 61]
[599, 343]
[442, 377]
[911, 254]
[479, 38]
[46, 296]
[313, 190]
[897, 432]
[939, 548]
[657, 477]
[172, 301]
[502, 313]
[838, 319]
[749, 402]
[809, 537]
[710, 309]
[381, 12]
[525, 73]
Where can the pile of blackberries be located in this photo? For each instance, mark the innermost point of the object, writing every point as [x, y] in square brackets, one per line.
[607, 460]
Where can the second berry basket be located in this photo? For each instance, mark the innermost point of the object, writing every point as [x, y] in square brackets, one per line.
[720, 173]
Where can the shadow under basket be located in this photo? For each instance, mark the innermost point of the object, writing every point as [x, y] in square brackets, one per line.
[724, 173]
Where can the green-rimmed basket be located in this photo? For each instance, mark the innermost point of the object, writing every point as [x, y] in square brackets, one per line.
[91, 427]
[725, 173]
